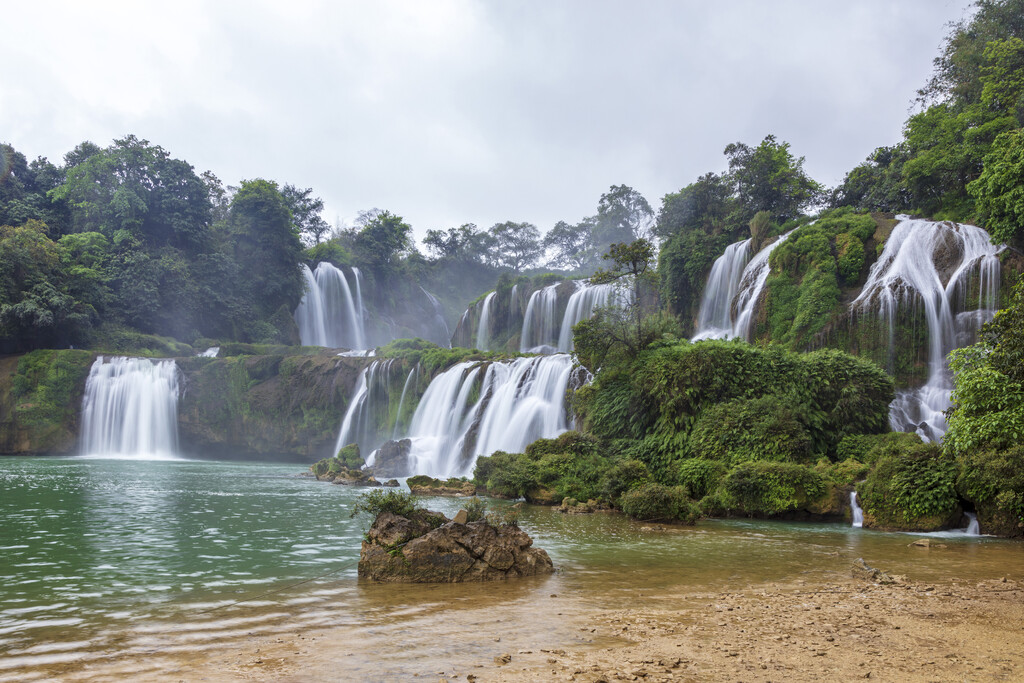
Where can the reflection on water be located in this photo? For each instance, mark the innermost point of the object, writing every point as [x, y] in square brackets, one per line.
[105, 556]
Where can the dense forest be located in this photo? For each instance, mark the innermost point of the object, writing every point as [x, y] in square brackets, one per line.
[125, 248]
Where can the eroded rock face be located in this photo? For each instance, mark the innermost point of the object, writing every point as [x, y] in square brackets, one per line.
[393, 459]
[405, 550]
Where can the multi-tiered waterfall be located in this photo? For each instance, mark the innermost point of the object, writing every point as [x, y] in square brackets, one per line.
[733, 290]
[932, 266]
[471, 409]
[130, 409]
[544, 331]
[331, 312]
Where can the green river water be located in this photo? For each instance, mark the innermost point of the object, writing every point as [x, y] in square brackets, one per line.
[101, 557]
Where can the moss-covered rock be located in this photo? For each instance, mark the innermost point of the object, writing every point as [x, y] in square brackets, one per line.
[41, 399]
[911, 490]
[422, 485]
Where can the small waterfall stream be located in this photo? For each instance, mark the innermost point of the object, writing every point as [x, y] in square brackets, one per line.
[540, 328]
[130, 409]
[858, 513]
[581, 306]
[330, 314]
[931, 265]
[730, 299]
[483, 330]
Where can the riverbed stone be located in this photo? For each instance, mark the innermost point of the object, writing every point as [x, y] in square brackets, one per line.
[399, 549]
[393, 459]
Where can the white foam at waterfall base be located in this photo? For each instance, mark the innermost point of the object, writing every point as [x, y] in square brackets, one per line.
[330, 314]
[130, 409]
[907, 274]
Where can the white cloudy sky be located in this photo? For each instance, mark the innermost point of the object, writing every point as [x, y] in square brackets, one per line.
[454, 111]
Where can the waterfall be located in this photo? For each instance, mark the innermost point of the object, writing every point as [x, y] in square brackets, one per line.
[210, 352]
[931, 265]
[749, 286]
[581, 306]
[367, 409]
[483, 329]
[130, 409]
[973, 528]
[329, 315]
[514, 308]
[475, 409]
[858, 514]
[439, 321]
[714, 320]
[414, 375]
[540, 328]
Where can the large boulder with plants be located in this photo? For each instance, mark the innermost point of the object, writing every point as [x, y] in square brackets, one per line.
[422, 485]
[407, 544]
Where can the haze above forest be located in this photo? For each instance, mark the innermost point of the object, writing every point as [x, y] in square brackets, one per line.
[463, 111]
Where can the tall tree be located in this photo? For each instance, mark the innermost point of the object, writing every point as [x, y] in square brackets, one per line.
[571, 246]
[623, 215]
[769, 178]
[267, 247]
[306, 212]
[517, 245]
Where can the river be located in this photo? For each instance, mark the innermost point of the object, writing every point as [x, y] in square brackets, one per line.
[120, 568]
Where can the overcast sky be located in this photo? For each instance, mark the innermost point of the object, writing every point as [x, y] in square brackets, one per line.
[456, 111]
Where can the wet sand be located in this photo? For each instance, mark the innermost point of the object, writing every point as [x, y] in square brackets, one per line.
[840, 629]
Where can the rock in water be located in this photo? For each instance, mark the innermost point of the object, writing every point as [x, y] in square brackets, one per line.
[430, 549]
[393, 459]
[861, 570]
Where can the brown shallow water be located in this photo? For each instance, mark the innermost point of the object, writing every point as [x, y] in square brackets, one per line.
[170, 615]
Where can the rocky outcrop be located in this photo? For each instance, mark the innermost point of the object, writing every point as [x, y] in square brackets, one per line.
[392, 459]
[430, 549]
[423, 485]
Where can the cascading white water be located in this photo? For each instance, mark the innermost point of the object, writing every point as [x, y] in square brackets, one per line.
[413, 376]
[540, 328]
[581, 306]
[931, 265]
[973, 528]
[483, 330]
[130, 409]
[361, 424]
[858, 513]
[519, 402]
[741, 305]
[714, 320]
[329, 315]
[210, 352]
[444, 333]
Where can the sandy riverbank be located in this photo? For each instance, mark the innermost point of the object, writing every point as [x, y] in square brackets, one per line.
[803, 631]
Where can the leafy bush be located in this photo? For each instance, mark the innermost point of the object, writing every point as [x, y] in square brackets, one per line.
[994, 481]
[843, 473]
[475, 509]
[869, 448]
[509, 475]
[913, 489]
[349, 456]
[771, 488]
[508, 516]
[656, 502]
[379, 501]
[765, 428]
[701, 477]
[622, 476]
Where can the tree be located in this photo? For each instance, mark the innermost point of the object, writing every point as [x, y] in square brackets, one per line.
[571, 246]
[704, 205]
[623, 215]
[999, 190]
[464, 244]
[382, 240]
[266, 246]
[516, 245]
[306, 210]
[623, 327]
[136, 187]
[769, 178]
